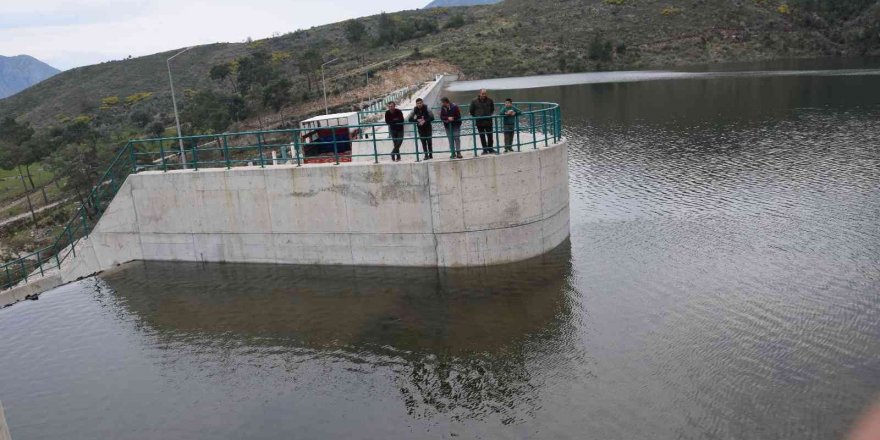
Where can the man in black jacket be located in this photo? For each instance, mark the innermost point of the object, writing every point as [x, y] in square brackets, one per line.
[394, 119]
[483, 108]
[423, 116]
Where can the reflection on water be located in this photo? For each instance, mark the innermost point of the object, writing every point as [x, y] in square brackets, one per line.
[459, 338]
[722, 280]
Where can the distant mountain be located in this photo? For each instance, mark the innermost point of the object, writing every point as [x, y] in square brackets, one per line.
[451, 3]
[20, 72]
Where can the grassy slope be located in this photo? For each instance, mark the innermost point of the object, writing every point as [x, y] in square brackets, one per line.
[515, 37]
[10, 184]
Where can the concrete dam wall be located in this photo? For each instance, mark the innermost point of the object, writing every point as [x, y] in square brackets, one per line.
[478, 211]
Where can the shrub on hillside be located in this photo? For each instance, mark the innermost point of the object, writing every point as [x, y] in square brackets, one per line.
[600, 49]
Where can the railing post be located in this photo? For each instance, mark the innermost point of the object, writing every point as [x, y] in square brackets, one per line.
[260, 148]
[544, 121]
[70, 241]
[296, 148]
[8, 277]
[375, 149]
[226, 152]
[133, 158]
[558, 123]
[534, 133]
[162, 156]
[335, 147]
[195, 154]
[40, 263]
[496, 132]
[518, 139]
[82, 212]
[284, 155]
[23, 270]
[416, 139]
[474, 134]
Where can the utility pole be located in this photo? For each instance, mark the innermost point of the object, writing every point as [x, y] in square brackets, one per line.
[324, 85]
[174, 102]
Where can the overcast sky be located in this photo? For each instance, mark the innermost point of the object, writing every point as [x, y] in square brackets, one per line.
[71, 33]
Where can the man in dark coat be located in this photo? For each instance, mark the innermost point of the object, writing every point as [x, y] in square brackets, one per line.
[423, 116]
[483, 108]
[394, 119]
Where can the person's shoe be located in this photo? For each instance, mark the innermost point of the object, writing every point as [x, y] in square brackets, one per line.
[483, 153]
[459, 157]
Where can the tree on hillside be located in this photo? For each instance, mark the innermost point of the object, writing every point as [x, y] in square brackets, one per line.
[355, 31]
[309, 63]
[388, 32]
[14, 154]
[208, 112]
[455, 21]
[14, 136]
[224, 72]
[77, 132]
[600, 49]
[78, 157]
[393, 30]
[139, 118]
[35, 150]
[277, 94]
[155, 129]
[79, 164]
[255, 71]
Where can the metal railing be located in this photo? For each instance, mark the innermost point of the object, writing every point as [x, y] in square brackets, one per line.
[538, 124]
[396, 96]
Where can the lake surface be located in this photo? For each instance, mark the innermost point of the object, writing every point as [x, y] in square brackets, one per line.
[722, 281]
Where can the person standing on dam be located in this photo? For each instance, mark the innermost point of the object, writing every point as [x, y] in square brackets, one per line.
[450, 114]
[423, 116]
[394, 119]
[483, 108]
[509, 123]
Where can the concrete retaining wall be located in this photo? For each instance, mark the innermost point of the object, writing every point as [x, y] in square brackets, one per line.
[4, 428]
[32, 288]
[471, 212]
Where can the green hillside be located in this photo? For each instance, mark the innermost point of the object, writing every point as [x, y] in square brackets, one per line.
[515, 37]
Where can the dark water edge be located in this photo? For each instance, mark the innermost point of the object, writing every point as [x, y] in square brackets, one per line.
[722, 280]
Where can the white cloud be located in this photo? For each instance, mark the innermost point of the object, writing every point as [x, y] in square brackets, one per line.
[142, 27]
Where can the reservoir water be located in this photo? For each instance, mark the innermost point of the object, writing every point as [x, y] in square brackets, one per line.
[722, 280]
